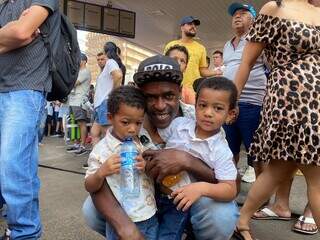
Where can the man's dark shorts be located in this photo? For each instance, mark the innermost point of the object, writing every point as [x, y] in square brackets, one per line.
[79, 113]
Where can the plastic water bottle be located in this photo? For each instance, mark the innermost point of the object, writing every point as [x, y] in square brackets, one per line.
[130, 185]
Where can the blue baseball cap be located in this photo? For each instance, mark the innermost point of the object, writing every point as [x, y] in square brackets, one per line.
[236, 6]
[189, 19]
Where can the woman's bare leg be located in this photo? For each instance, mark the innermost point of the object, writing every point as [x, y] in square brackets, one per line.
[281, 203]
[312, 173]
[275, 174]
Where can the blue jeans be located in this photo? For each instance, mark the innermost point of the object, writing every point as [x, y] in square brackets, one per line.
[100, 114]
[42, 125]
[149, 229]
[210, 219]
[172, 222]
[243, 129]
[97, 222]
[20, 114]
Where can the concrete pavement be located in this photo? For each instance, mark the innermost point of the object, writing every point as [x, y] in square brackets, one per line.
[62, 195]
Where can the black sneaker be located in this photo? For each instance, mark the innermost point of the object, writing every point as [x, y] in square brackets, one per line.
[81, 151]
[73, 148]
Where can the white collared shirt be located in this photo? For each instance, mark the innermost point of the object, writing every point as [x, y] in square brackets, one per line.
[145, 205]
[214, 151]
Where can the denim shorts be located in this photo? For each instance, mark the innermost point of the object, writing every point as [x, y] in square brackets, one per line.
[149, 229]
[100, 114]
[243, 129]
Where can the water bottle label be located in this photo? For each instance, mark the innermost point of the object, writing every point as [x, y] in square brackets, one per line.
[128, 158]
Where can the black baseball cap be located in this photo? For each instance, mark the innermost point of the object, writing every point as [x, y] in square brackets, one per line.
[158, 68]
[189, 19]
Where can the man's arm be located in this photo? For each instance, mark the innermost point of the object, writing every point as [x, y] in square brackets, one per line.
[106, 203]
[21, 32]
[172, 161]
[206, 72]
[83, 78]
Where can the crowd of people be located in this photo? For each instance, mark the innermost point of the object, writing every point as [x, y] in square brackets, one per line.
[188, 119]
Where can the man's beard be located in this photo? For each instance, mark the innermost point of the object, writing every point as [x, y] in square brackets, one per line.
[190, 34]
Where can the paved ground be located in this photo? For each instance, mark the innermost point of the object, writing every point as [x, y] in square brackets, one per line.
[62, 195]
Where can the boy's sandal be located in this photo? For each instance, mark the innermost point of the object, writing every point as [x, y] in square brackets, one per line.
[238, 233]
[306, 220]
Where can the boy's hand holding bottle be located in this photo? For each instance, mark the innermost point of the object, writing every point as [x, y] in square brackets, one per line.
[140, 163]
[111, 166]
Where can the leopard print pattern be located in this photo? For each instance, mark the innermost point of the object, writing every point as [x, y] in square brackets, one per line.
[289, 129]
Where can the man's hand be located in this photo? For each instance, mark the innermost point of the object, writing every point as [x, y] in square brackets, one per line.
[162, 163]
[111, 166]
[140, 163]
[185, 196]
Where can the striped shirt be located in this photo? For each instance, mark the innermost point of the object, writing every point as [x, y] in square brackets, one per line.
[27, 68]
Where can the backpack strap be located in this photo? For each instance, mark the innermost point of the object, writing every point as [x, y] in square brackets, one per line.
[44, 33]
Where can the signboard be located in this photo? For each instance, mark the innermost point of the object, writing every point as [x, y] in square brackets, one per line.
[75, 12]
[96, 18]
[111, 20]
[92, 17]
[127, 23]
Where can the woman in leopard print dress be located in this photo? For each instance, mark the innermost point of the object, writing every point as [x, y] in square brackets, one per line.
[289, 134]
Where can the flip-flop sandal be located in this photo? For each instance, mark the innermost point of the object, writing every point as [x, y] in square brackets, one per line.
[237, 233]
[270, 215]
[307, 220]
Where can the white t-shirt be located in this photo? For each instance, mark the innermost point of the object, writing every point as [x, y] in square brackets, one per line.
[214, 151]
[104, 83]
[80, 91]
[145, 206]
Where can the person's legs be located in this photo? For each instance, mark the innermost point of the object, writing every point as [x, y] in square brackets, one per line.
[58, 126]
[304, 226]
[83, 132]
[172, 222]
[49, 124]
[312, 173]
[20, 117]
[100, 124]
[149, 228]
[281, 203]
[275, 174]
[213, 220]
[95, 133]
[234, 139]
[93, 218]
[248, 122]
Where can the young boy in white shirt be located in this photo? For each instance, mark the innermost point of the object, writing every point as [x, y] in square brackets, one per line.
[204, 138]
[126, 108]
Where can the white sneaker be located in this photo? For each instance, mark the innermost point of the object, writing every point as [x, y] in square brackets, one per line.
[249, 176]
